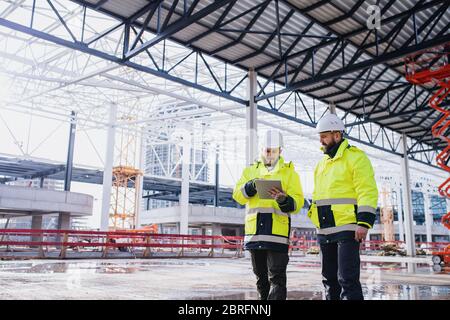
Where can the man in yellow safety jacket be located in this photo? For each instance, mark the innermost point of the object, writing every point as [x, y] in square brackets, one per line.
[267, 221]
[343, 209]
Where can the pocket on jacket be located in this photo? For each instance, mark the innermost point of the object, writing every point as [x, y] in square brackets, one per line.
[250, 223]
[280, 225]
[343, 213]
[313, 215]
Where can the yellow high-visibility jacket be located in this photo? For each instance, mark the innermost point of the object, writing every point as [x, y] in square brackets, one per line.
[267, 223]
[345, 193]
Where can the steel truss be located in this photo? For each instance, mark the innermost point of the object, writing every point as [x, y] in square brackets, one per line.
[358, 70]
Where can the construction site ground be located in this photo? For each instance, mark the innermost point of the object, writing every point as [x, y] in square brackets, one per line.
[207, 278]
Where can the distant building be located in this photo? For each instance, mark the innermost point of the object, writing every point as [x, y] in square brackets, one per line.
[164, 160]
[48, 221]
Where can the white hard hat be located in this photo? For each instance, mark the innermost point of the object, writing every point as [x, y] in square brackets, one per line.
[330, 122]
[273, 139]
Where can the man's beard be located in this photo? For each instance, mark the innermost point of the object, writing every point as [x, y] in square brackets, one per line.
[328, 147]
[269, 162]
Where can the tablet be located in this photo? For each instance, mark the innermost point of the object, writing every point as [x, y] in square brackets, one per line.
[263, 187]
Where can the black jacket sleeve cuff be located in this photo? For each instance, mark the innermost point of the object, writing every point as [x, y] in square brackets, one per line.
[287, 205]
[366, 219]
[250, 189]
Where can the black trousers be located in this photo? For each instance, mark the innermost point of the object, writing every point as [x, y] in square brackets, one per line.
[341, 270]
[270, 269]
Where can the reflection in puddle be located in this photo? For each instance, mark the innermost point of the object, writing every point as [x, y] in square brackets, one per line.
[405, 267]
[93, 267]
[374, 288]
[379, 292]
[440, 269]
[252, 295]
[406, 292]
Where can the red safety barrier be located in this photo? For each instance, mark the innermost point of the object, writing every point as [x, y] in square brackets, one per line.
[15, 242]
[371, 247]
[62, 241]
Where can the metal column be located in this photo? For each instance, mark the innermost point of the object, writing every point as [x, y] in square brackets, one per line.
[407, 203]
[428, 215]
[184, 197]
[107, 173]
[139, 185]
[332, 108]
[69, 162]
[252, 120]
[64, 219]
[401, 223]
[216, 185]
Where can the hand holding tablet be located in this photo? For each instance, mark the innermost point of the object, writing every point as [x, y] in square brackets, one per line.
[264, 187]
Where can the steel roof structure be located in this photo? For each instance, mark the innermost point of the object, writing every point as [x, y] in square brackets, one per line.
[325, 51]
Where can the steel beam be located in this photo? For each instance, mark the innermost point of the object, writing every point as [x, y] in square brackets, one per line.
[359, 66]
[176, 27]
[70, 150]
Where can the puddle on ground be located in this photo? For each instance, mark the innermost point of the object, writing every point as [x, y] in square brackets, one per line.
[378, 292]
[252, 295]
[407, 267]
[102, 266]
[93, 267]
[406, 292]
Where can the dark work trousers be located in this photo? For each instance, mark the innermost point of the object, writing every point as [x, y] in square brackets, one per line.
[341, 269]
[270, 269]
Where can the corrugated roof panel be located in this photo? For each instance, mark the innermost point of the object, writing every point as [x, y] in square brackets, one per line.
[190, 32]
[240, 7]
[124, 8]
[268, 20]
[303, 76]
[340, 96]
[360, 38]
[396, 8]
[211, 41]
[154, 20]
[326, 91]
[235, 52]
[312, 87]
[346, 26]
[268, 71]
[300, 3]
[325, 12]
[201, 5]
[256, 41]
[258, 60]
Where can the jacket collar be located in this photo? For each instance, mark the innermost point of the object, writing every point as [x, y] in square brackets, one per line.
[278, 165]
[340, 151]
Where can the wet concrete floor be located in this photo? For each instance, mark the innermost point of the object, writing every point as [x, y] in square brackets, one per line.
[224, 279]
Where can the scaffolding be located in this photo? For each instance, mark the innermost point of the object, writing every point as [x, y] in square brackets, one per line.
[432, 67]
[126, 181]
[387, 215]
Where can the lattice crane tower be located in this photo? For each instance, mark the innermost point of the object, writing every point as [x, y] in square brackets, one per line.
[126, 179]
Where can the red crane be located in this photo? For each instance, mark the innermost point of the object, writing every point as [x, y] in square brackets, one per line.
[432, 67]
